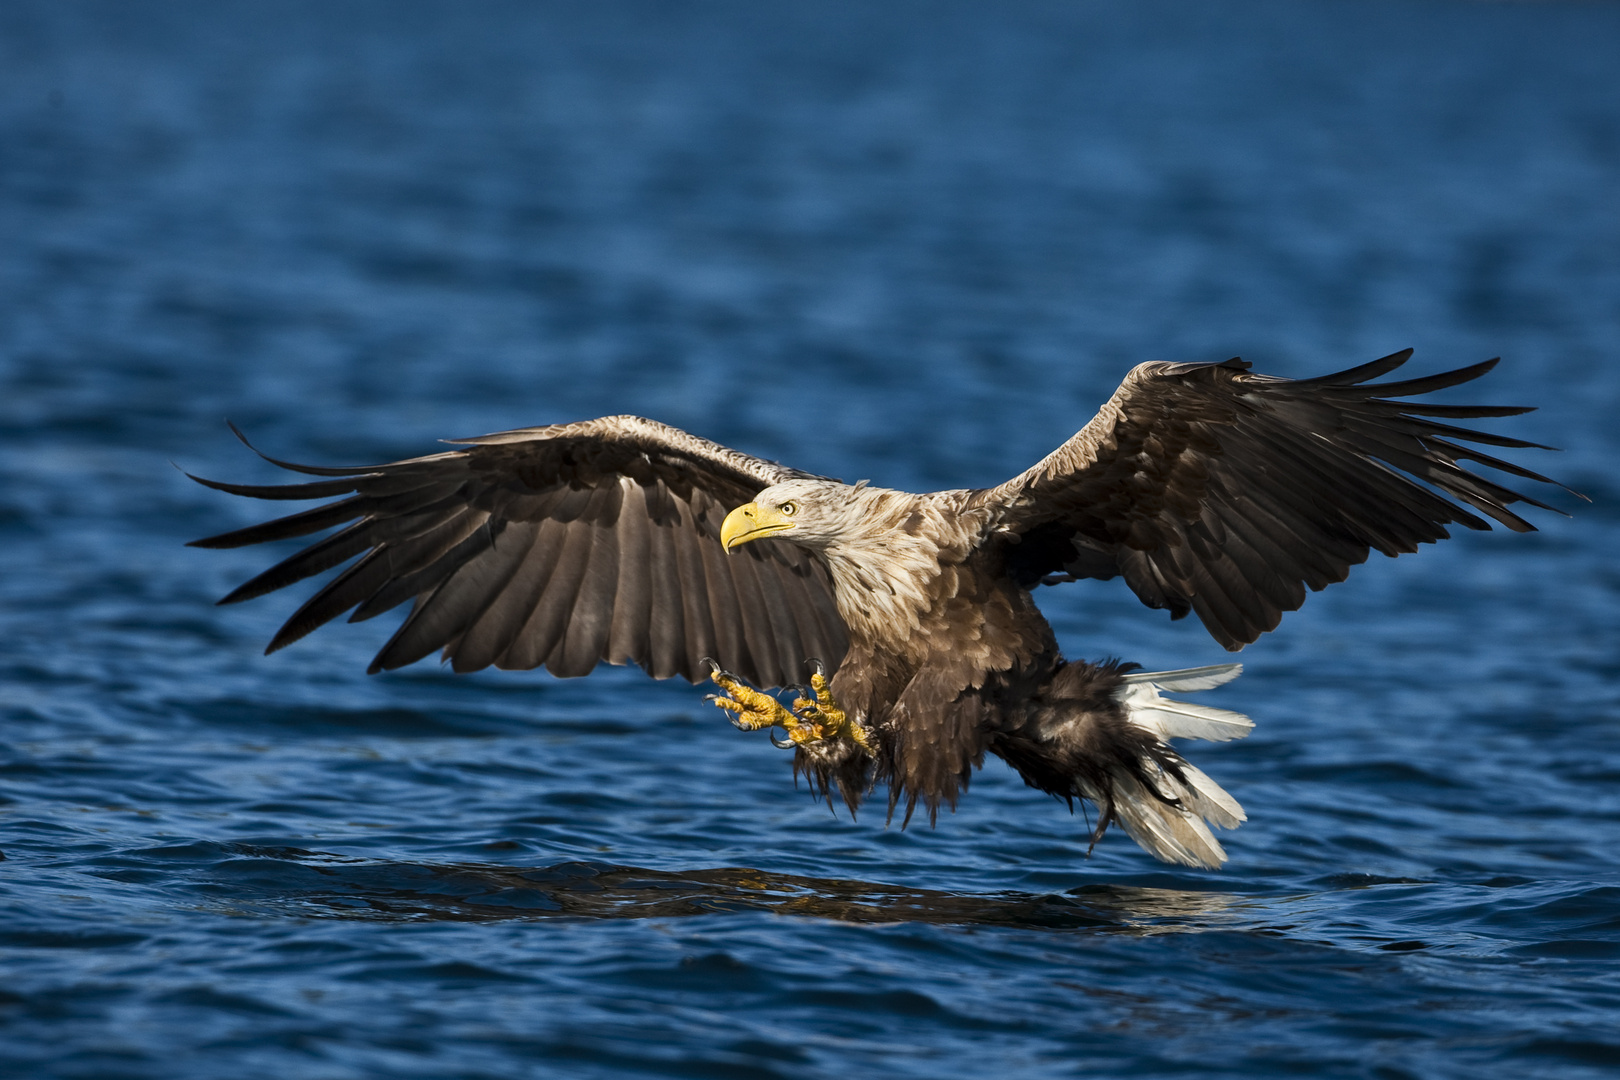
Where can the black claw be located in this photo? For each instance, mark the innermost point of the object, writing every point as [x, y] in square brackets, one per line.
[816, 667]
[799, 690]
[786, 744]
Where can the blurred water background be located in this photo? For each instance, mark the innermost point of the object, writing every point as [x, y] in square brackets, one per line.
[915, 242]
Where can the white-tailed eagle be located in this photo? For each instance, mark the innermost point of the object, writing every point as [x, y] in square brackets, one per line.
[1206, 487]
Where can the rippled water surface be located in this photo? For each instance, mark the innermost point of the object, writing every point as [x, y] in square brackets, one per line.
[912, 242]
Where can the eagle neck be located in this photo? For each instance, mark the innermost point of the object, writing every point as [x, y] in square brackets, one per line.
[887, 564]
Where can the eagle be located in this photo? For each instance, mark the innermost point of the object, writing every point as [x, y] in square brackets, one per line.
[904, 626]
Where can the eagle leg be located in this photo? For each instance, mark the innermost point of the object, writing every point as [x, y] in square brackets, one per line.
[754, 709]
[824, 713]
[811, 721]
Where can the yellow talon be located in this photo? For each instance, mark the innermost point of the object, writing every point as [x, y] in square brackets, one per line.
[810, 720]
[827, 718]
[754, 709]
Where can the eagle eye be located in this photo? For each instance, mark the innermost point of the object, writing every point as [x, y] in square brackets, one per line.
[789, 509]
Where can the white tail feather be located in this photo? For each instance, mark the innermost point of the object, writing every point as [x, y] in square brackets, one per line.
[1188, 679]
[1167, 832]
[1179, 833]
[1210, 801]
[1170, 719]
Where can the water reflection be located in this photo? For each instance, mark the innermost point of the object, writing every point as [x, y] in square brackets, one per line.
[333, 887]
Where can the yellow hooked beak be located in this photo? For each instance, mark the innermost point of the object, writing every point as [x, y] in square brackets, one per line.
[750, 522]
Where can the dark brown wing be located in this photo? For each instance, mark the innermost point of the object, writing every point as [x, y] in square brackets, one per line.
[1215, 490]
[557, 546]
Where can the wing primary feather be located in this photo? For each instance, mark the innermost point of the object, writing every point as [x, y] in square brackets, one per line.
[383, 508]
[559, 504]
[756, 627]
[1358, 374]
[444, 614]
[1467, 412]
[1284, 570]
[730, 644]
[1272, 572]
[1324, 558]
[307, 470]
[313, 520]
[801, 606]
[1219, 611]
[1427, 384]
[361, 581]
[319, 489]
[789, 654]
[699, 635]
[1464, 453]
[320, 556]
[339, 595]
[549, 625]
[1295, 496]
[477, 587]
[498, 637]
[632, 603]
[666, 628]
[1427, 430]
[328, 552]
[589, 615]
[1330, 489]
[1456, 482]
[381, 662]
[463, 537]
[1359, 492]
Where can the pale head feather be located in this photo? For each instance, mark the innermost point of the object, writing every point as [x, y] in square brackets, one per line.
[883, 548]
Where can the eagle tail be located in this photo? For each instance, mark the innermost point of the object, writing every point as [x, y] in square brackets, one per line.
[1101, 732]
[1168, 804]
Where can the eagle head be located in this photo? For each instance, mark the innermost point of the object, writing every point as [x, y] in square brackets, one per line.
[810, 513]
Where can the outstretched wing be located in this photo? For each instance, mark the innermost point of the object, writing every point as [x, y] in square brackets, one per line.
[557, 546]
[1215, 490]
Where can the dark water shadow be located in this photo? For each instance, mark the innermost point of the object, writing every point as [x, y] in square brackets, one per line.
[310, 884]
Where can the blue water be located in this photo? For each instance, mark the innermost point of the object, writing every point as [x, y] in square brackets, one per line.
[912, 242]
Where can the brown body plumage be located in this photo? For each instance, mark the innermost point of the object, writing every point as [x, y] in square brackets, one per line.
[1207, 488]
